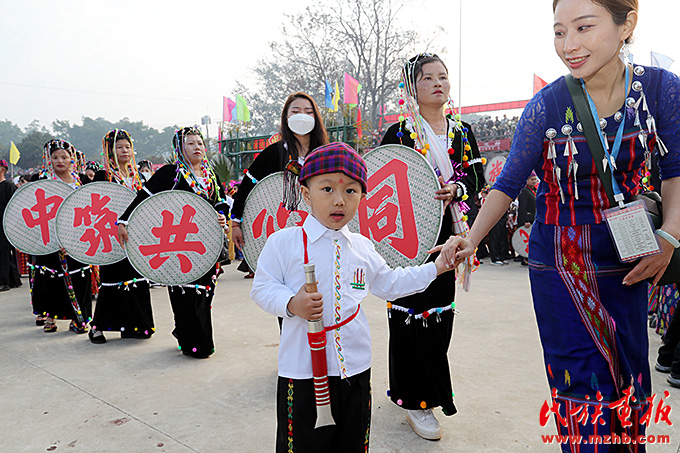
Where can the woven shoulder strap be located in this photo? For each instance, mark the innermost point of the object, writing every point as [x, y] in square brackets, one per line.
[591, 131]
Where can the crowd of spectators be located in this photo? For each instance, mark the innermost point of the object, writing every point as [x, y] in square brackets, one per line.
[485, 128]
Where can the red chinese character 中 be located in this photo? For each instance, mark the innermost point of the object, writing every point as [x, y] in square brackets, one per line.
[46, 208]
[383, 222]
[104, 225]
[180, 231]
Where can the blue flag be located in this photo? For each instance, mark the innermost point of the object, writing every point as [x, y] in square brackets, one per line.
[329, 96]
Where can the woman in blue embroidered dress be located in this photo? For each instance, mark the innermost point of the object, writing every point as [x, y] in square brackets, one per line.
[591, 308]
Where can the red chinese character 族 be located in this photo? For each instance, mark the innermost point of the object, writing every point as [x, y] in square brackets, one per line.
[46, 208]
[179, 232]
[388, 213]
[104, 225]
[496, 168]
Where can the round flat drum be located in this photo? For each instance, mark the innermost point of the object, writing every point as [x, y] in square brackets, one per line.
[174, 237]
[86, 222]
[30, 216]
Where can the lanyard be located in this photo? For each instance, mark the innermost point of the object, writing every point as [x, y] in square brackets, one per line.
[611, 158]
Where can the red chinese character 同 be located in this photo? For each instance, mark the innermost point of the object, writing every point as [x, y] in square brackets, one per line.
[264, 223]
[104, 225]
[383, 222]
[47, 210]
[180, 231]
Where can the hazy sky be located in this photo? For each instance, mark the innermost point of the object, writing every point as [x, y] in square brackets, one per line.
[171, 61]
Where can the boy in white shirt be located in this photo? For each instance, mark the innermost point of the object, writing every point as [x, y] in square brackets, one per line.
[333, 180]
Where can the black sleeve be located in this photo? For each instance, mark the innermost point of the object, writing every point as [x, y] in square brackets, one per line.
[100, 176]
[526, 208]
[474, 179]
[163, 179]
[391, 138]
[220, 200]
[267, 162]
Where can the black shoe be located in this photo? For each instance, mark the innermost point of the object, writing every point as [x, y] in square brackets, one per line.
[673, 381]
[197, 354]
[99, 339]
[18, 285]
[661, 368]
[4, 287]
[138, 335]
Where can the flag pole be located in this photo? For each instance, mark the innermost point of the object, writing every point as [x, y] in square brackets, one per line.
[460, 59]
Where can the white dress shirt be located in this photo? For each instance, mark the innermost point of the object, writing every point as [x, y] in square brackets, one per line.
[280, 275]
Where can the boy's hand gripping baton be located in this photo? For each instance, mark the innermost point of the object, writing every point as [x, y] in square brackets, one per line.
[317, 344]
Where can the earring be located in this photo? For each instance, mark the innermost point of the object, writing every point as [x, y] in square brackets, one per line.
[624, 54]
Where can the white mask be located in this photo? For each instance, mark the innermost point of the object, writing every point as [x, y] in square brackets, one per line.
[301, 123]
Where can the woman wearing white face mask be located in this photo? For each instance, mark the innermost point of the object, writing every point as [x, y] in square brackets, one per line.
[302, 131]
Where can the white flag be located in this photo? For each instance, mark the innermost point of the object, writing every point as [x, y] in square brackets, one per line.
[661, 61]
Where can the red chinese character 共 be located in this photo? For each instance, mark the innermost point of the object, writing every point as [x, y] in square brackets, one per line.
[180, 231]
[104, 225]
[47, 210]
[282, 215]
[407, 245]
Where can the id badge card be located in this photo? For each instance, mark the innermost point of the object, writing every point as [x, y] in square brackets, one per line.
[632, 230]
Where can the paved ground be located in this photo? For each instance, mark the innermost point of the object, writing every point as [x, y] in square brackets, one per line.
[59, 392]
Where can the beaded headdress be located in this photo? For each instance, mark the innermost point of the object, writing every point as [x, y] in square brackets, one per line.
[110, 160]
[185, 169]
[52, 146]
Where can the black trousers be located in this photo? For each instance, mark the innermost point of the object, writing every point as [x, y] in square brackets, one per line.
[9, 270]
[296, 415]
[669, 353]
[498, 241]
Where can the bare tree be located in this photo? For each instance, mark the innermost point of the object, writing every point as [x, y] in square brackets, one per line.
[360, 37]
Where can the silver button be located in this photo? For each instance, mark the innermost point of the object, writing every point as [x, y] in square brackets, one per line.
[637, 85]
[603, 123]
[639, 70]
[566, 129]
[579, 127]
[618, 116]
[551, 133]
[630, 102]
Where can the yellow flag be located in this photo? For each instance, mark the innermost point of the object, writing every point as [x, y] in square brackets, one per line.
[336, 97]
[14, 154]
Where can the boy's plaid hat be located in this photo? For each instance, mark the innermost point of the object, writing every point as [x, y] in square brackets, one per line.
[333, 158]
[3, 163]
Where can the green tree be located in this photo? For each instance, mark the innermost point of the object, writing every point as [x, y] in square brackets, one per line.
[31, 148]
[360, 37]
[9, 132]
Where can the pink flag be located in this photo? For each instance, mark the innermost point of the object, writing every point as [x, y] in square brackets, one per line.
[352, 87]
[539, 83]
[228, 107]
[359, 128]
